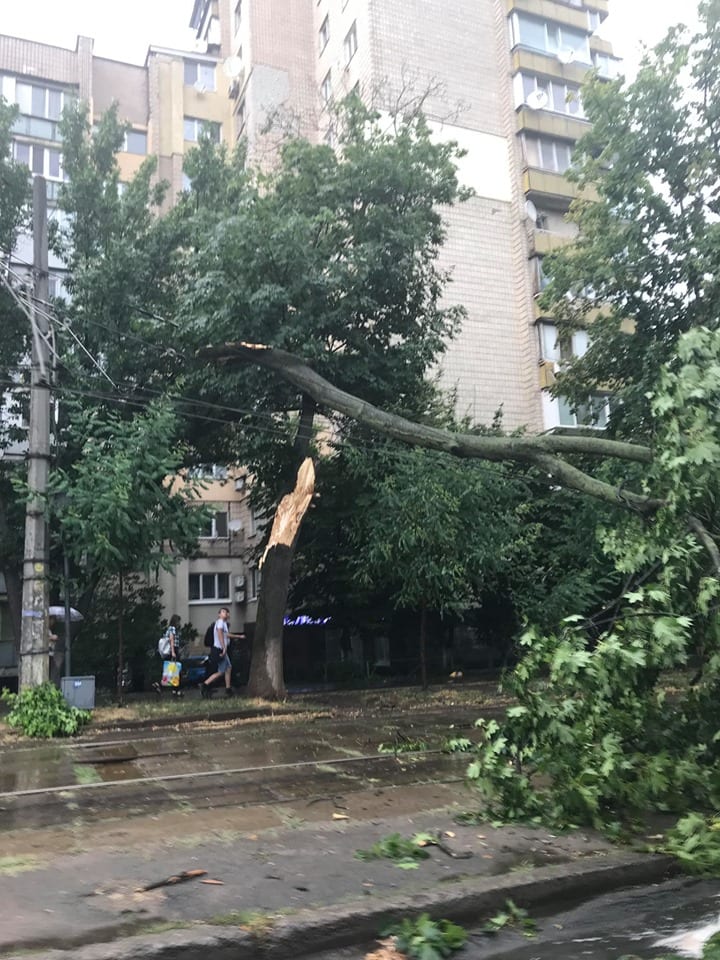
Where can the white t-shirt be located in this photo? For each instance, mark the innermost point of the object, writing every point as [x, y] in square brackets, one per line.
[222, 626]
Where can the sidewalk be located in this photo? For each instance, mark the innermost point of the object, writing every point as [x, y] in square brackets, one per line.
[289, 884]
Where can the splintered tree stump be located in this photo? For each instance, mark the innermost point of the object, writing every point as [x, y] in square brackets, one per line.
[266, 667]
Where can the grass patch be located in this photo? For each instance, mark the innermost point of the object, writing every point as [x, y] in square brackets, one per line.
[86, 773]
[10, 866]
[255, 922]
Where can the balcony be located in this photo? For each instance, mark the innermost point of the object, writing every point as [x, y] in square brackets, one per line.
[570, 15]
[36, 127]
[553, 190]
[543, 242]
[552, 124]
[547, 65]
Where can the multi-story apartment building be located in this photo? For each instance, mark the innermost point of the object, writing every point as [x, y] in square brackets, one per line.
[500, 77]
[166, 102]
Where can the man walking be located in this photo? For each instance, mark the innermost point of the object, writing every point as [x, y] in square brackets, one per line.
[219, 657]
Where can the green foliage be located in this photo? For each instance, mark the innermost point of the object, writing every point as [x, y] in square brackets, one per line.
[403, 745]
[695, 841]
[458, 745]
[426, 939]
[43, 712]
[118, 505]
[651, 155]
[405, 853]
[511, 916]
[94, 647]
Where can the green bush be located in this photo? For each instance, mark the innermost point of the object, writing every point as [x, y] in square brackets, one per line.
[426, 939]
[43, 712]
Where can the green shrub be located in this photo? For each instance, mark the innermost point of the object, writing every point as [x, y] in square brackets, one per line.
[426, 939]
[43, 712]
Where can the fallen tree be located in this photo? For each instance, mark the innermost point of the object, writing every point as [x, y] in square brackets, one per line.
[544, 451]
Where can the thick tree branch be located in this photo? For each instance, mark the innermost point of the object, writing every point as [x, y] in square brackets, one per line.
[703, 535]
[539, 451]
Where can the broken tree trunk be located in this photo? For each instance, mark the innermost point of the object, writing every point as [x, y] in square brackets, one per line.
[266, 666]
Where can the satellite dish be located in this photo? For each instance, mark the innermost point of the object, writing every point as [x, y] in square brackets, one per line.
[531, 211]
[200, 87]
[537, 100]
[566, 56]
[232, 67]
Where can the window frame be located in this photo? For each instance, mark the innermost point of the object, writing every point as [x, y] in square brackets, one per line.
[135, 133]
[580, 45]
[326, 92]
[217, 526]
[324, 34]
[205, 74]
[203, 598]
[214, 127]
[350, 44]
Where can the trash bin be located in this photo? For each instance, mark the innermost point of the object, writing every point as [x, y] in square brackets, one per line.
[79, 691]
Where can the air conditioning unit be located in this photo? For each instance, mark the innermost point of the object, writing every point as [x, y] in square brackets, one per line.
[239, 596]
[240, 582]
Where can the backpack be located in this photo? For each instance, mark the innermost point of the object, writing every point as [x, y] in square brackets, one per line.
[164, 644]
[209, 639]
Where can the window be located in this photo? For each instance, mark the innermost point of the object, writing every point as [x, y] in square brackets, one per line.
[350, 45]
[135, 142]
[545, 153]
[605, 65]
[208, 471]
[552, 348]
[330, 138]
[541, 278]
[36, 127]
[200, 74]
[47, 102]
[194, 127]
[324, 35]
[255, 583]
[594, 413]
[593, 20]
[217, 527]
[238, 16]
[552, 38]
[203, 587]
[45, 161]
[545, 94]
[326, 88]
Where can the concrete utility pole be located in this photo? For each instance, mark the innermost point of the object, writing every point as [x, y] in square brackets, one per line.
[34, 653]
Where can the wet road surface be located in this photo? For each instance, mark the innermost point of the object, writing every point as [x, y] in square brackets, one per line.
[632, 923]
[271, 760]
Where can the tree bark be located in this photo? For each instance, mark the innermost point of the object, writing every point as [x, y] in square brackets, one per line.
[266, 666]
[540, 451]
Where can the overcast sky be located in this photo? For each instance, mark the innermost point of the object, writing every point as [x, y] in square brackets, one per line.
[124, 31]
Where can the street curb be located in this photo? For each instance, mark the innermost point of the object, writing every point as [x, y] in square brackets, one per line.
[360, 921]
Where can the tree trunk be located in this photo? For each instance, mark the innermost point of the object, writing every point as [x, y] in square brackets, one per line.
[266, 679]
[423, 649]
[121, 643]
[266, 666]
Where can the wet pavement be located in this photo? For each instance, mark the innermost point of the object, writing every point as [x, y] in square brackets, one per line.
[275, 760]
[644, 923]
[273, 809]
